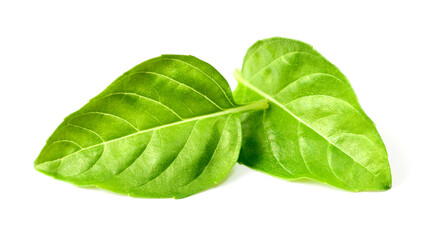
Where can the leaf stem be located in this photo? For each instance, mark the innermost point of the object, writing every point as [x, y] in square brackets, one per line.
[254, 106]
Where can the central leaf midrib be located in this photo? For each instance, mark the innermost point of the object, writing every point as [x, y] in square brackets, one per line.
[243, 81]
[261, 104]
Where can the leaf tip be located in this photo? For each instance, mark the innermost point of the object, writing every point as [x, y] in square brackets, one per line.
[388, 185]
[386, 182]
[47, 168]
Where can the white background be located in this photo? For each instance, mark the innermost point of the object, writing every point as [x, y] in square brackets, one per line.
[55, 56]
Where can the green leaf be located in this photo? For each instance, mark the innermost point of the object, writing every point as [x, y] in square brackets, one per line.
[314, 127]
[169, 127]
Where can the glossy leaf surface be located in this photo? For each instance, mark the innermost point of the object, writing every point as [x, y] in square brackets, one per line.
[314, 127]
[169, 127]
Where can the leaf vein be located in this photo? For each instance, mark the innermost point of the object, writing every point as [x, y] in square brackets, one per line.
[273, 100]
[271, 148]
[170, 163]
[146, 98]
[328, 154]
[242, 108]
[277, 59]
[299, 149]
[65, 140]
[197, 68]
[86, 129]
[213, 153]
[107, 114]
[295, 82]
[136, 158]
[258, 48]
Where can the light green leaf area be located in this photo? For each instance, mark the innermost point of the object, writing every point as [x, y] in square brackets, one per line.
[169, 127]
[314, 127]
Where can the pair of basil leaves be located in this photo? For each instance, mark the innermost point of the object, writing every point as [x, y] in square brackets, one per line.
[171, 127]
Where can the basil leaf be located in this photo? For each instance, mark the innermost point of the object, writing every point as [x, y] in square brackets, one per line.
[169, 127]
[314, 127]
